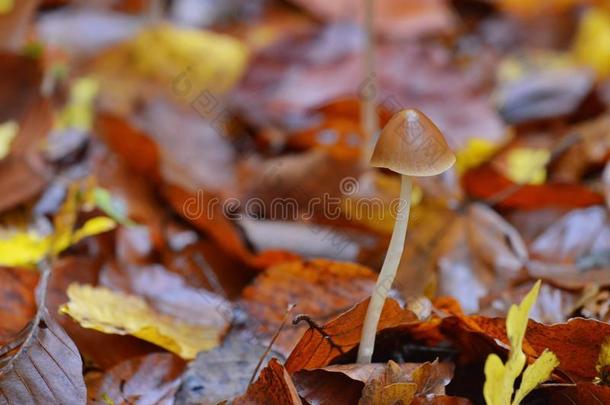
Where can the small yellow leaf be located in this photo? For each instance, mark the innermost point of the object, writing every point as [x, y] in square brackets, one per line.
[189, 59]
[500, 378]
[603, 363]
[118, 313]
[494, 389]
[27, 248]
[527, 165]
[476, 152]
[8, 132]
[592, 39]
[6, 6]
[23, 249]
[536, 374]
[92, 227]
[78, 113]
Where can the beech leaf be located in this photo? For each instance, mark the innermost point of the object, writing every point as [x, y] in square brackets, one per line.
[47, 371]
[113, 312]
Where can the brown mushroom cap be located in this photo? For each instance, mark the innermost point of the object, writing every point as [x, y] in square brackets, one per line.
[410, 144]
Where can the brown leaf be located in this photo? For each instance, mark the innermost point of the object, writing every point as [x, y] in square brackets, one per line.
[17, 303]
[290, 80]
[14, 25]
[576, 343]
[343, 383]
[393, 18]
[319, 288]
[274, 386]
[485, 182]
[319, 346]
[150, 379]
[48, 371]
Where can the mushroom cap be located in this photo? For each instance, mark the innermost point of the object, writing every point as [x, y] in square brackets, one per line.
[410, 144]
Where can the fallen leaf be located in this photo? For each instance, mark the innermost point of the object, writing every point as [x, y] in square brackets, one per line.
[78, 111]
[222, 373]
[485, 182]
[85, 270]
[393, 19]
[114, 312]
[319, 346]
[169, 294]
[8, 132]
[576, 343]
[527, 165]
[17, 306]
[274, 386]
[48, 370]
[319, 288]
[153, 378]
[589, 43]
[344, 383]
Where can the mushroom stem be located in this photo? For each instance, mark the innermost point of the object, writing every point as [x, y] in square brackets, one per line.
[387, 274]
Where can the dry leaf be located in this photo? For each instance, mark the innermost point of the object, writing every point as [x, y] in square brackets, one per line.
[113, 312]
[150, 379]
[274, 386]
[48, 371]
[319, 288]
[319, 346]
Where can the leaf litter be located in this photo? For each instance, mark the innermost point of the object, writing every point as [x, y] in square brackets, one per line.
[187, 212]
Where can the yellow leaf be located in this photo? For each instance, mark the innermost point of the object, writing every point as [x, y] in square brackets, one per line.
[27, 247]
[603, 362]
[118, 313]
[592, 39]
[92, 227]
[527, 165]
[476, 152]
[378, 210]
[23, 249]
[536, 374]
[203, 60]
[78, 113]
[500, 378]
[529, 8]
[8, 132]
[6, 6]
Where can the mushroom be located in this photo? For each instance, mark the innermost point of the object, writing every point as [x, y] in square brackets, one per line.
[410, 145]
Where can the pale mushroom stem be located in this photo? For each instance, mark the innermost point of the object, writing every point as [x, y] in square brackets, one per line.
[387, 274]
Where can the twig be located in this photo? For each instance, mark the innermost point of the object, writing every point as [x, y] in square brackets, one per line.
[270, 345]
